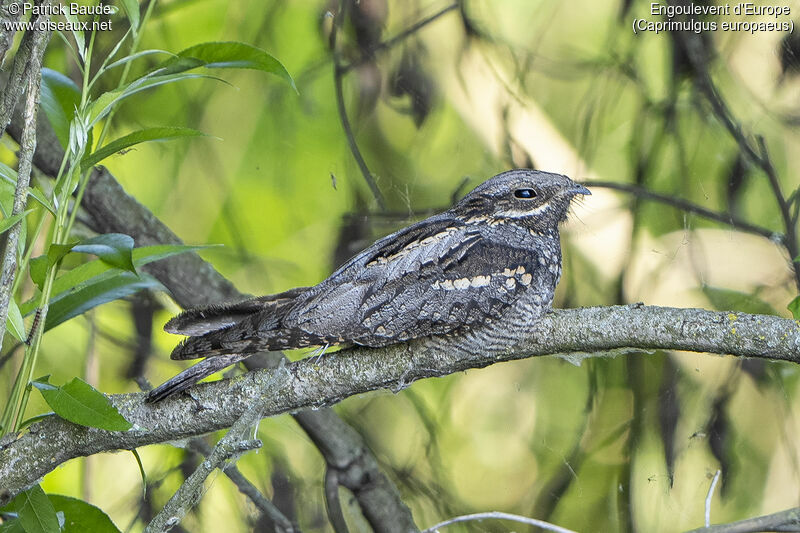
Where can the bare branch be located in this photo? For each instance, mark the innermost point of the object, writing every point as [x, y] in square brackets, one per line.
[189, 492]
[37, 42]
[698, 57]
[29, 54]
[232, 444]
[400, 37]
[788, 520]
[338, 74]
[307, 383]
[7, 31]
[690, 207]
[263, 504]
[494, 515]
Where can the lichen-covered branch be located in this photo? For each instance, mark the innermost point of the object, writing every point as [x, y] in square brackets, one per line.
[233, 443]
[38, 39]
[336, 376]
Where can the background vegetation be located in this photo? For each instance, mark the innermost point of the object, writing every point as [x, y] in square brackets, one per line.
[697, 132]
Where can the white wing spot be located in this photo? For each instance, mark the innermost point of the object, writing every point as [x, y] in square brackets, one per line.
[526, 279]
[511, 283]
[480, 281]
[462, 283]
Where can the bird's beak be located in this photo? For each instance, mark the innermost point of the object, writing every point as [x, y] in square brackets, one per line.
[580, 189]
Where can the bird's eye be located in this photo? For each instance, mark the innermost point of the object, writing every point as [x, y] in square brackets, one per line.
[525, 193]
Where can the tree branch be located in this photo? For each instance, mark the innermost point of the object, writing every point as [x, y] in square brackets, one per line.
[38, 39]
[310, 383]
[698, 57]
[788, 520]
[690, 207]
[282, 524]
[232, 444]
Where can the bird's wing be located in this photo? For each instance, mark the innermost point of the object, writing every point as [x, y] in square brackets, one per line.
[431, 278]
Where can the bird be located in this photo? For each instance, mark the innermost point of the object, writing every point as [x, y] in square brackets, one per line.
[490, 262]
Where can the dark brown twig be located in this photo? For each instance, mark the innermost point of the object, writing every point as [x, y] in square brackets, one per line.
[690, 207]
[333, 503]
[759, 156]
[338, 74]
[403, 35]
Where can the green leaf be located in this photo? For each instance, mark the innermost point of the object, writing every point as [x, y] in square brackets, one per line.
[80, 40]
[136, 56]
[6, 223]
[106, 101]
[96, 271]
[38, 269]
[131, 8]
[81, 517]
[80, 403]
[36, 513]
[14, 323]
[9, 182]
[237, 55]
[145, 135]
[114, 249]
[73, 303]
[729, 300]
[37, 194]
[794, 307]
[60, 97]
[56, 252]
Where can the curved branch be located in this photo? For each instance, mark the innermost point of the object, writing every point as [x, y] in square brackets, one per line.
[308, 383]
[690, 207]
[338, 74]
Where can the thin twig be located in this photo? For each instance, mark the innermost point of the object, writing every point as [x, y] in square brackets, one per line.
[759, 157]
[788, 520]
[403, 35]
[283, 524]
[711, 495]
[690, 207]
[333, 503]
[231, 444]
[495, 515]
[338, 74]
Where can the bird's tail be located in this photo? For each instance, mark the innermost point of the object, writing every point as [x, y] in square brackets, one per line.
[193, 374]
[230, 328]
[224, 335]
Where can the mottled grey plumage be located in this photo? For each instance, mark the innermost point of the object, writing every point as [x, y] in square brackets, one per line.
[494, 257]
